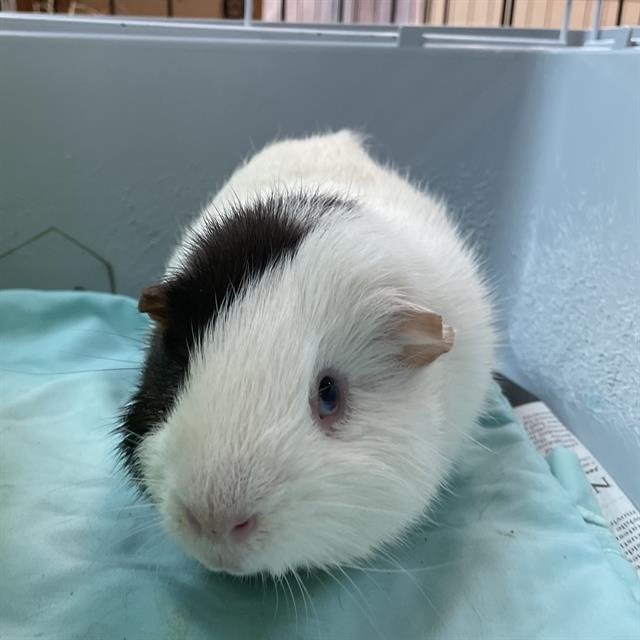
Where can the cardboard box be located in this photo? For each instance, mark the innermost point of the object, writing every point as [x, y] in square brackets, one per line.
[198, 8]
[475, 13]
[142, 7]
[83, 6]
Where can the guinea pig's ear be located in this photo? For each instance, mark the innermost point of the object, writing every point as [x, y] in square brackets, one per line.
[424, 336]
[153, 301]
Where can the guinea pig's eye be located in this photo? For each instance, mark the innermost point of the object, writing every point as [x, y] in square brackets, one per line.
[329, 399]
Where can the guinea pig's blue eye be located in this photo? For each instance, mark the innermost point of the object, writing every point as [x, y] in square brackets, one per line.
[328, 397]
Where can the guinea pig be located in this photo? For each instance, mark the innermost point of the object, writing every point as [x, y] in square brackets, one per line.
[322, 346]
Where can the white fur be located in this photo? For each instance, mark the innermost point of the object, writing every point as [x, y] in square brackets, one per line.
[242, 436]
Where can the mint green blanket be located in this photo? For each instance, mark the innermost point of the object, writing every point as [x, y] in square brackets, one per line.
[509, 553]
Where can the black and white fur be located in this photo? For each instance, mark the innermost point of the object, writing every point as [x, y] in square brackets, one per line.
[307, 261]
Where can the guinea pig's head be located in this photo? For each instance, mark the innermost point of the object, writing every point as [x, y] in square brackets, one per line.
[289, 413]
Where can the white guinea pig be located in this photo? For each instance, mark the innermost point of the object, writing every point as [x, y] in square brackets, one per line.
[322, 346]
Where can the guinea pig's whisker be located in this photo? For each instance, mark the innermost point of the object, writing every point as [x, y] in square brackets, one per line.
[137, 531]
[71, 517]
[154, 539]
[275, 612]
[352, 582]
[357, 507]
[128, 508]
[128, 432]
[308, 595]
[313, 608]
[63, 373]
[282, 580]
[367, 614]
[293, 600]
[138, 521]
[139, 509]
[145, 522]
[94, 357]
[387, 555]
[480, 444]
[445, 488]
[150, 536]
[146, 481]
[421, 590]
[116, 334]
[296, 577]
[366, 572]
[151, 517]
[422, 569]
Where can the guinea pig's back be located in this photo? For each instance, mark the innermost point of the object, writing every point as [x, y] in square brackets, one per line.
[335, 163]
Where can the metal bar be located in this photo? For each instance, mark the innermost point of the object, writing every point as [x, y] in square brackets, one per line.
[507, 13]
[565, 21]
[482, 39]
[595, 20]
[248, 12]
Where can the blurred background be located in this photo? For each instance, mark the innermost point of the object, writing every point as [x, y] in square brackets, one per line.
[479, 13]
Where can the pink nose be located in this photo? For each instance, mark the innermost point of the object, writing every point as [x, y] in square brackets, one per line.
[229, 527]
[243, 529]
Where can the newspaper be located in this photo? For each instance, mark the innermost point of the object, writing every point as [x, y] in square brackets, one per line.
[547, 432]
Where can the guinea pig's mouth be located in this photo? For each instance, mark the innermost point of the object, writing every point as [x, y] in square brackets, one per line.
[224, 565]
[229, 564]
[216, 561]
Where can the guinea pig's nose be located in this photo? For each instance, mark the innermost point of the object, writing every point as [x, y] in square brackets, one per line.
[220, 526]
[240, 528]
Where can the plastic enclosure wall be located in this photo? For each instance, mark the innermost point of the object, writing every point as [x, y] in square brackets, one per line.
[110, 140]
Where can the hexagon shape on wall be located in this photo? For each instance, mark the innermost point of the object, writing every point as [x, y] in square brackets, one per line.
[53, 259]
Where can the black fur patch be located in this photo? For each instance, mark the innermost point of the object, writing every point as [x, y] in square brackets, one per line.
[221, 262]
